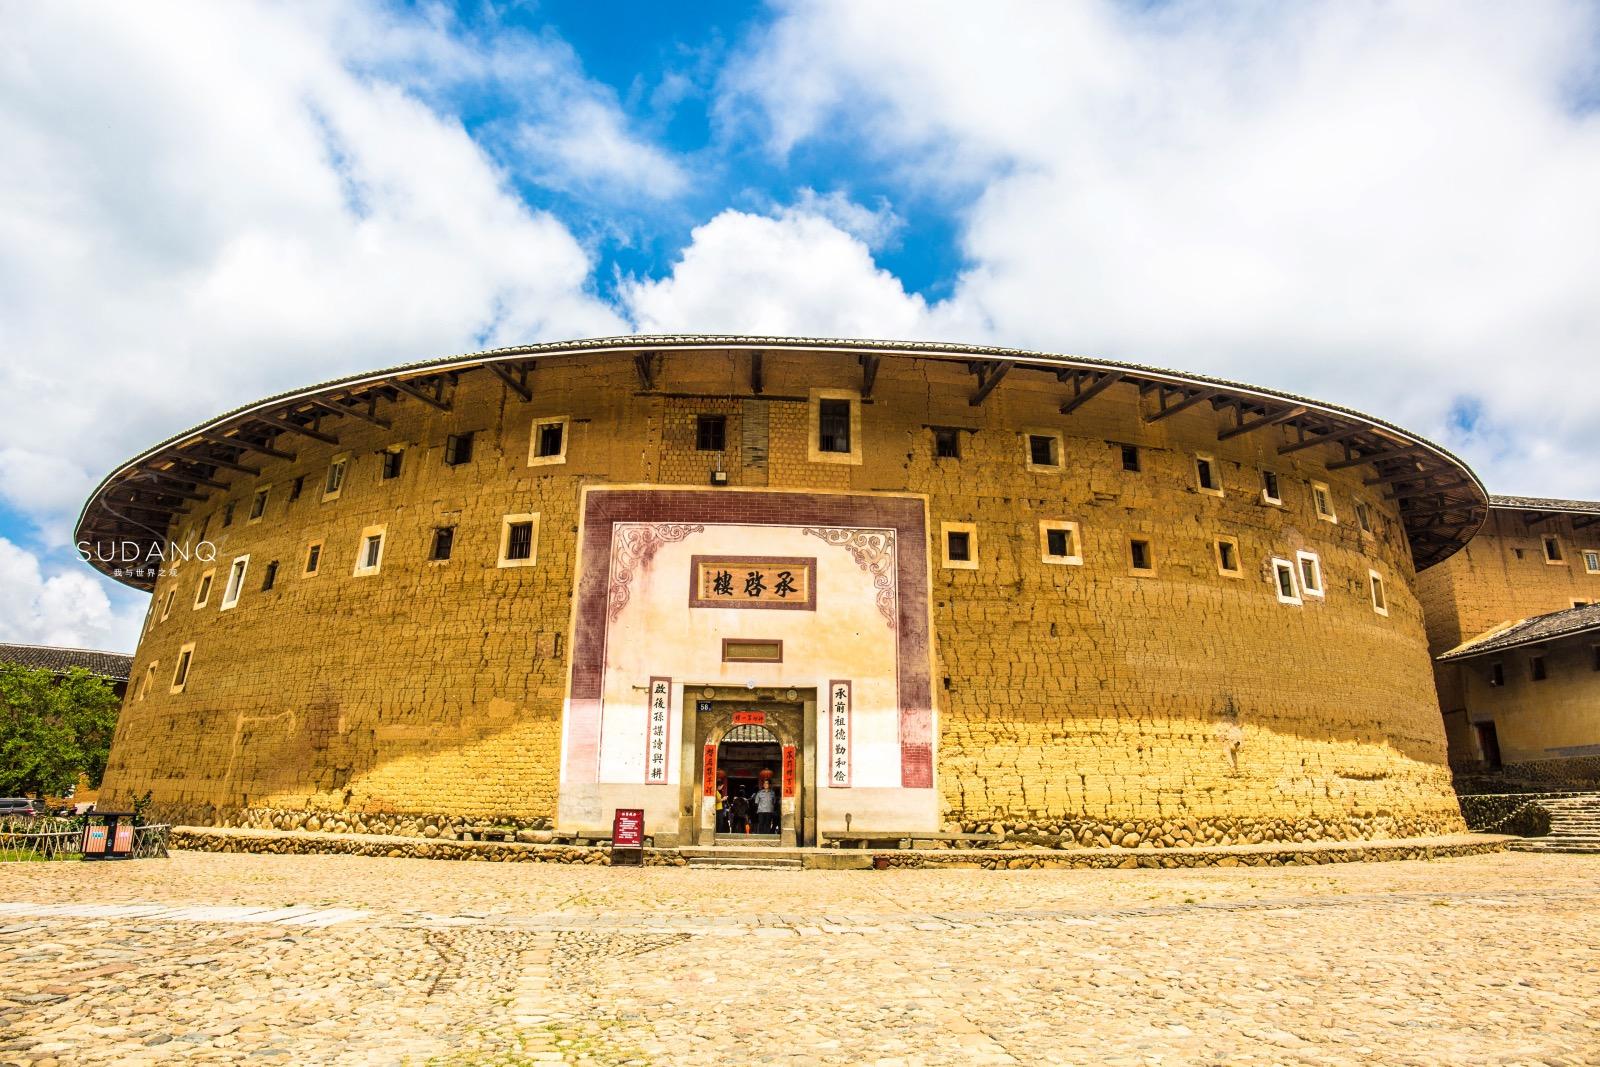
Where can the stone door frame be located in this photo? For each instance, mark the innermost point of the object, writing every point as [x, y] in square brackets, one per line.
[790, 720]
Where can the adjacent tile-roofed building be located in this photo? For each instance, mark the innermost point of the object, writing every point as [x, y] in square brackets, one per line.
[111, 665]
[1530, 631]
[1549, 504]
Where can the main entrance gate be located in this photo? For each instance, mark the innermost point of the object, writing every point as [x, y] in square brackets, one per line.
[742, 740]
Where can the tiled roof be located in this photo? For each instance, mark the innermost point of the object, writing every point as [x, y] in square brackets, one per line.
[112, 665]
[1530, 632]
[1536, 503]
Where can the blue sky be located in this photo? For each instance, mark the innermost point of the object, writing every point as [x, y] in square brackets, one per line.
[1385, 205]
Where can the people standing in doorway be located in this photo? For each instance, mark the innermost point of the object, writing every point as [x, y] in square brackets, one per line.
[722, 804]
[766, 809]
[739, 813]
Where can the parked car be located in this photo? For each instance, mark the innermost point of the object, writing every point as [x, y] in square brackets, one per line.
[20, 807]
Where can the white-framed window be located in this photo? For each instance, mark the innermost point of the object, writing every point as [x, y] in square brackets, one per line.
[1310, 568]
[1364, 516]
[1552, 550]
[180, 673]
[1271, 491]
[1207, 475]
[166, 605]
[1380, 598]
[958, 545]
[1043, 450]
[235, 584]
[1284, 581]
[1059, 543]
[369, 551]
[1141, 557]
[1226, 550]
[258, 503]
[1322, 501]
[313, 560]
[333, 484]
[1591, 561]
[547, 442]
[834, 433]
[148, 680]
[202, 592]
[519, 540]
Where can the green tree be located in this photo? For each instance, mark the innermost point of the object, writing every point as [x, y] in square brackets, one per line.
[52, 727]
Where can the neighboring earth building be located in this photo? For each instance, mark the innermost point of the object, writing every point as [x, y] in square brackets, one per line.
[916, 584]
[112, 666]
[1512, 622]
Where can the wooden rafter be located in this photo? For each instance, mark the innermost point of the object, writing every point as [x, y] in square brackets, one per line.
[1585, 522]
[1189, 401]
[1535, 518]
[1373, 457]
[1400, 476]
[1442, 509]
[644, 365]
[519, 384]
[354, 412]
[989, 375]
[253, 446]
[208, 460]
[412, 391]
[178, 477]
[1428, 490]
[291, 426]
[1263, 422]
[869, 375]
[756, 382]
[1081, 395]
[1321, 439]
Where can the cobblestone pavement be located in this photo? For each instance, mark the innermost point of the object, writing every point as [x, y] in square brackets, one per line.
[215, 958]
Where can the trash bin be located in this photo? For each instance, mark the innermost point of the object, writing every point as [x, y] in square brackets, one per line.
[108, 835]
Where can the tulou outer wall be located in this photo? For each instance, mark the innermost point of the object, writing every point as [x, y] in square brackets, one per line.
[1182, 706]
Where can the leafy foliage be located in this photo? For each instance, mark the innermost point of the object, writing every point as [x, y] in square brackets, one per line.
[52, 727]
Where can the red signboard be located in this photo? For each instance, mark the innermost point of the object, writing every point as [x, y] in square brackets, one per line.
[788, 770]
[627, 828]
[709, 770]
[123, 841]
[749, 718]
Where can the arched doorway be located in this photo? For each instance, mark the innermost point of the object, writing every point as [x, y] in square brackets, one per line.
[741, 736]
[749, 757]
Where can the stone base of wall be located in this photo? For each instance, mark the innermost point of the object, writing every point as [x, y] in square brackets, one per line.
[211, 839]
[1573, 773]
[1109, 859]
[1198, 833]
[393, 824]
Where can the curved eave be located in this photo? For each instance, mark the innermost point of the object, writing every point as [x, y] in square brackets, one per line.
[1441, 501]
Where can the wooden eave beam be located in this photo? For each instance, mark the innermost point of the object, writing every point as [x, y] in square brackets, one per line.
[213, 462]
[1187, 402]
[417, 394]
[1400, 476]
[757, 384]
[989, 376]
[294, 427]
[165, 510]
[1442, 509]
[644, 365]
[1081, 396]
[253, 446]
[1585, 522]
[1263, 422]
[518, 385]
[1321, 439]
[1428, 490]
[162, 489]
[1375, 457]
[354, 412]
[869, 375]
[178, 477]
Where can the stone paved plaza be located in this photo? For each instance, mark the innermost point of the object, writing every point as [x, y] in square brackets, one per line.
[346, 960]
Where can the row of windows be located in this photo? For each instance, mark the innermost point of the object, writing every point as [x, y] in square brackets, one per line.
[1059, 543]
[518, 548]
[1556, 555]
[1538, 671]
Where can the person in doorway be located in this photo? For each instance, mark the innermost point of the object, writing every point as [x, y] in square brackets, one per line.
[739, 813]
[766, 808]
[722, 805]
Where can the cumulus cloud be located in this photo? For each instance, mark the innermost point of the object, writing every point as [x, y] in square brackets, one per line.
[63, 608]
[1388, 205]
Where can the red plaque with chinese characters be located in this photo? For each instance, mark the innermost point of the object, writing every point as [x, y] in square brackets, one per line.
[709, 770]
[782, 582]
[749, 718]
[788, 770]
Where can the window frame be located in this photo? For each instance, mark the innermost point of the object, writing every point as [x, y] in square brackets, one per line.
[306, 569]
[1267, 497]
[968, 528]
[182, 668]
[148, 680]
[1058, 450]
[1591, 560]
[1150, 556]
[269, 576]
[1125, 451]
[1279, 566]
[231, 591]
[1538, 669]
[262, 494]
[506, 522]
[704, 419]
[1075, 534]
[1320, 590]
[381, 532]
[1546, 541]
[202, 588]
[433, 544]
[1210, 462]
[452, 445]
[1497, 675]
[340, 463]
[1364, 521]
[954, 437]
[1322, 494]
[814, 451]
[536, 431]
[1238, 557]
[1378, 592]
[166, 604]
[394, 454]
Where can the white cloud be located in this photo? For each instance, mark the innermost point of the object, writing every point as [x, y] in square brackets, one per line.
[62, 608]
[876, 227]
[1388, 205]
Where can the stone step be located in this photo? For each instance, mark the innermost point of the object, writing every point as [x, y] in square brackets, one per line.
[747, 863]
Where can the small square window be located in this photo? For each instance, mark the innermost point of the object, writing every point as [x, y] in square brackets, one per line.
[1228, 557]
[313, 558]
[1206, 477]
[369, 551]
[1364, 516]
[391, 463]
[1140, 556]
[711, 433]
[1497, 675]
[1270, 492]
[333, 485]
[1322, 500]
[258, 503]
[1284, 583]
[202, 592]
[1044, 450]
[180, 673]
[959, 542]
[296, 487]
[833, 425]
[1059, 542]
[548, 442]
[1380, 601]
[519, 540]
[1310, 573]
[1536, 668]
[1130, 458]
[270, 577]
[1552, 549]
[1580, 603]
[458, 449]
[1591, 561]
[444, 541]
[946, 443]
[227, 514]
